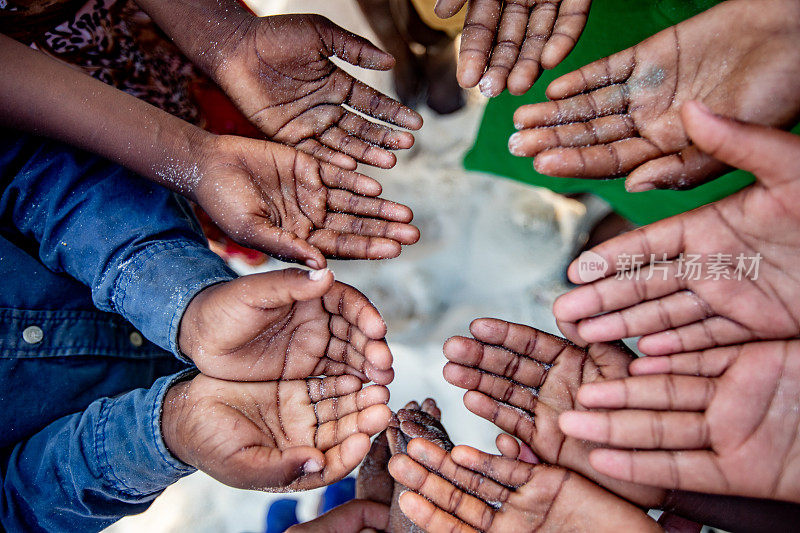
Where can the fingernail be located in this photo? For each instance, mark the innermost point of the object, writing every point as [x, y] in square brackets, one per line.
[515, 144]
[312, 466]
[487, 87]
[640, 187]
[317, 275]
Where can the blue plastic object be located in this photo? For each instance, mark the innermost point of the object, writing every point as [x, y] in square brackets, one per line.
[282, 515]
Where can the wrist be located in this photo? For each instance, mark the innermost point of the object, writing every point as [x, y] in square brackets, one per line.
[173, 412]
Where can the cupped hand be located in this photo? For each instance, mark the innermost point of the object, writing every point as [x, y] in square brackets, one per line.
[522, 379]
[279, 72]
[722, 421]
[355, 515]
[285, 324]
[467, 490]
[281, 201]
[507, 43]
[273, 436]
[621, 115]
[723, 274]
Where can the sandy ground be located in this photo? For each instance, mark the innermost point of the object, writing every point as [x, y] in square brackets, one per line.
[490, 247]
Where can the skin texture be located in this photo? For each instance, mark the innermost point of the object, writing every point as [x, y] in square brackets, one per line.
[467, 490]
[273, 436]
[355, 515]
[277, 70]
[521, 380]
[621, 115]
[285, 325]
[507, 43]
[678, 313]
[296, 207]
[698, 418]
[264, 195]
[374, 482]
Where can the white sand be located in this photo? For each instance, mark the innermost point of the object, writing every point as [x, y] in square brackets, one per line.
[490, 247]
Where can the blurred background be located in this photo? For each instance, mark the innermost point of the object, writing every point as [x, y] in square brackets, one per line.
[489, 247]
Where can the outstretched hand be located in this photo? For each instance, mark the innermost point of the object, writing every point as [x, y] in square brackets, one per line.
[280, 435]
[745, 248]
[467, 490]
[279, 72]
[721, 421]
[507, 43]
[285, 324]
[522, 379]
[621, 115]
[284, 202]
[355, 515]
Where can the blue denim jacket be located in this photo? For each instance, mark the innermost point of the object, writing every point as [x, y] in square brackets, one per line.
[94, 262]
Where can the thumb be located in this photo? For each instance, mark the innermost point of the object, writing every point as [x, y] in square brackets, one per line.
[352, 48]
[766, 152]
[448, 8]
[270, 468]
[284, 287]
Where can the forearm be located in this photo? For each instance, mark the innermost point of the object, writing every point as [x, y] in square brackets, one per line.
[204, 30]
[48, 98]
[87, 470]
[733, 513]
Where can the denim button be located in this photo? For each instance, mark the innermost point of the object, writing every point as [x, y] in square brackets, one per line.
[33, 335]
[136, 339]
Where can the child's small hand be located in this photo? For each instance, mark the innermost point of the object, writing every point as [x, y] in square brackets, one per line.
[279, 73]
[507, 43]
[355, 515]
[468, 490]
[280, 435]
[521, 379]
[620, 116]
[289, 204]
[285, 325]
[722, 421]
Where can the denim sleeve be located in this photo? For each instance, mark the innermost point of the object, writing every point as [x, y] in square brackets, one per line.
[88, 470]
[134, 243]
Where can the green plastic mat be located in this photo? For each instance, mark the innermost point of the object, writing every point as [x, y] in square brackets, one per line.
[613, 25]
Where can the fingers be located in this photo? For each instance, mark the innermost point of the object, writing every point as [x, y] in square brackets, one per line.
[511, 420]
[506, 51]
[318, 150]
[509, 447]
[339, 140]
[430, 518]
[445, 9]
[281, 287]
[758, 149]
[710, 363]
[658, 392]
[346, 202]
[376, 351]
[371, 227]
[603, 102]
[502, 470]
[443, 493]
[339, 462]
[653, 316]
[477, 40]
[345, 301]
[377, 105]
[263, 236]
[639, 429]
[500, 389]
[348, 246]
[320, 389]
[369, 421]
[418, 424]
[603, 130]
[685, 470]
[604, 72]
[265, 468]
[352, 48]
[572, 17]
[336, 408]
[597, 162]
[376, 134]
[520, 339]
[338, 178]
[714, 331]
[687, 169]
[472, 362]
[528, 66]
[355, 515]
